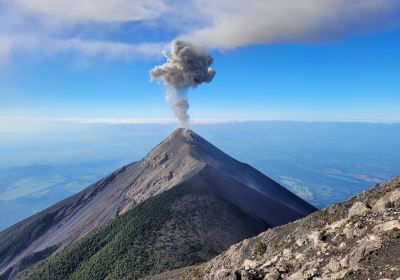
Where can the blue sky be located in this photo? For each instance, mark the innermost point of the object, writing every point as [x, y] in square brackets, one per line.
[85, 65]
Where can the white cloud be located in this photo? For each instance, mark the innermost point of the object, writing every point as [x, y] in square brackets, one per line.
[108, 49]
[5, 46]
[239, 23]
[96, 10]
[39, 26]
[43, 27]
[48, 46]
[8, 122]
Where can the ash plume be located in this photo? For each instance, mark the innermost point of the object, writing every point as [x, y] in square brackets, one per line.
[187, 67]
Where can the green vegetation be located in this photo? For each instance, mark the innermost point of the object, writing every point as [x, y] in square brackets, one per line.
[354, 219]
[120, 249]
[197, 274]
[298, 187]
[320, 195]
[324, 212]
[273, 245]
[261, 248]
[396, 233]
[30, 260]
[16, 238]
[159, 234]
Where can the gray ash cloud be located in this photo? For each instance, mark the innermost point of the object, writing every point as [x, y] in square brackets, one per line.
[187, 67]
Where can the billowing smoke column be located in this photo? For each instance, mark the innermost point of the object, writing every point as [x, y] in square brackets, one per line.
[187, 67]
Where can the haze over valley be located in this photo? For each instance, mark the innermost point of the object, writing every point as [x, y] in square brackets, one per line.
[321, 162]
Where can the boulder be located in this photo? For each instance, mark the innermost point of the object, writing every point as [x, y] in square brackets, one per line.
[272, 275]
[357, 209]
[224, 274]
[249, 264]
[366, 247]
[382, 203]
[387, 226]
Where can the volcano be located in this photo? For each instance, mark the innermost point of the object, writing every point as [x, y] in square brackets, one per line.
[183, 203]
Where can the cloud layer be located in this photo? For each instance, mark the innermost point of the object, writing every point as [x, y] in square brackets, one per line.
[239, 23]
[54, 26]
[48, 46]
[104, 10]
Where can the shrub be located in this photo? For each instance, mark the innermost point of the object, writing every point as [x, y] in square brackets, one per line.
[197, 273]
[261, 248]
[273, 246]
[353, 219]
[396, 233]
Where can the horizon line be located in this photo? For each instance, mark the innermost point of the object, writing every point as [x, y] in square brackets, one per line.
[165, 121]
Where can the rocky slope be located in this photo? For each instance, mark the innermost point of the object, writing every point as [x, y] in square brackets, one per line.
[181, 226]
[183, 160]
[356, 239]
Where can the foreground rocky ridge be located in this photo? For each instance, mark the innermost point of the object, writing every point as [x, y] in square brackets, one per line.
[356, 239]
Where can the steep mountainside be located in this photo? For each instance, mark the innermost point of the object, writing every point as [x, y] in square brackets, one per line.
[179, 227]
[184, 158]
[357, 239]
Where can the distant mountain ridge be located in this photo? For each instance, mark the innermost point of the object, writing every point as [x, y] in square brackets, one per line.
[183, 163]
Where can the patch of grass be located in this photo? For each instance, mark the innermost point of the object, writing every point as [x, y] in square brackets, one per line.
[396, 233]
[261, 248]
[197, 274]
[324, 212]
[273, 245]
[354, 219]
[16, 238]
